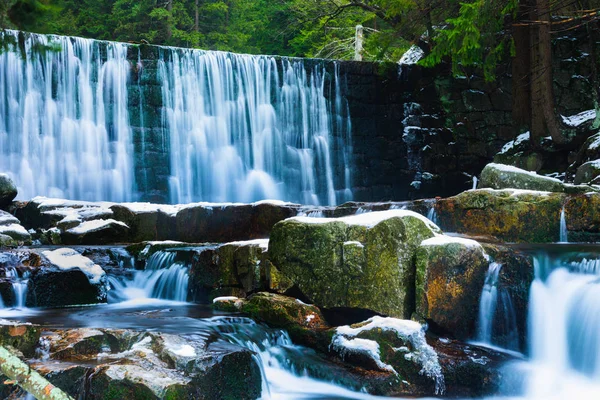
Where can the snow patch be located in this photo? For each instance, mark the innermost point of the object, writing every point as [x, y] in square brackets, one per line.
[409, 331]
[262, 243]
[579, 119]
[368, 220]
[367, 347]
[13, 228]
[442, 240]
[412, 56]
[184, 351]
[67, 259]
[225, 299]
[354, 243]
[95, 225]
[523, 137]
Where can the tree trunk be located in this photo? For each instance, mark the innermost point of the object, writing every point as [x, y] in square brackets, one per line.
[543, 117]
[29, 379]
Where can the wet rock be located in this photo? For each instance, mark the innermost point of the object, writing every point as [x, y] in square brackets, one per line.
[582, 215]
[98, 231]
[8, 190]
[225, 223]
[394, 346]
[66, 278]
[469, 371]
[12, 228]
[124, 364]
[509, 215]
[305, 323]
[21, 336]
[499, 176]
[363, 261]
[450, 275]
[234, 269]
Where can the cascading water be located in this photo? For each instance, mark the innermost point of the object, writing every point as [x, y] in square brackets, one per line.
[563, 227]
[563, 322]
[497, 325]
[245, 128]
[19, 288]
[164, 278]
[235, 127]
[432, 213]
[64, 124]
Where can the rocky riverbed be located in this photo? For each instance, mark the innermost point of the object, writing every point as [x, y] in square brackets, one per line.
[233, 301]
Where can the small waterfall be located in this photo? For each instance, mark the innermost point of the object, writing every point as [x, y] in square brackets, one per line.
[474, 182]
[432, 213]
[362, 210]
[288, 371]
[497, 325]
[164, 278]
[19, 286]
[312, 214]
[563, 227]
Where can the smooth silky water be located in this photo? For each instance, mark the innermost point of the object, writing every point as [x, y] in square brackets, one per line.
[236, 128]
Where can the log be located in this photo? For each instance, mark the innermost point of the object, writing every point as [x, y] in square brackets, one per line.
[29, 379]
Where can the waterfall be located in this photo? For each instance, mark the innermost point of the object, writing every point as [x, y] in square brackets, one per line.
[432, 213]
[564, 315]
[245, 128]
[91, 120]
[563, 236]
[163, 278]
[497, 325]
[64, 125]
[19, 286]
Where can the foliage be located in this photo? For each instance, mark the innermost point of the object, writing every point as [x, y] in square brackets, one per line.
[475, 38]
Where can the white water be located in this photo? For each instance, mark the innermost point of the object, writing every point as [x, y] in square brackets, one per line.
[238, 128]
[497, 326]
[164, 278]
[563, 322]
[432, 213]
[245, 128]
[563, 227]
[64, 124]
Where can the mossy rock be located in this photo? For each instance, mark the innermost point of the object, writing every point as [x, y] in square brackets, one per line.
[23, 337]
[509, 215]
[450, 276]
[347, 262]
[305, 323]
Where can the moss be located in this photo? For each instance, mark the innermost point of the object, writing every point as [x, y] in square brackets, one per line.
[339, 265]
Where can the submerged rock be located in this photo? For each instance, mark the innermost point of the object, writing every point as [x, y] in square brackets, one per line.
[363, 261]
[8, 190]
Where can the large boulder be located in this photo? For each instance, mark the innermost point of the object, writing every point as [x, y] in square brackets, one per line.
[499, 176]
[582, 217]
[363, 261]
[8, 190]
[509, 215]
[450, 275]
[97, 231]
[66, 278]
